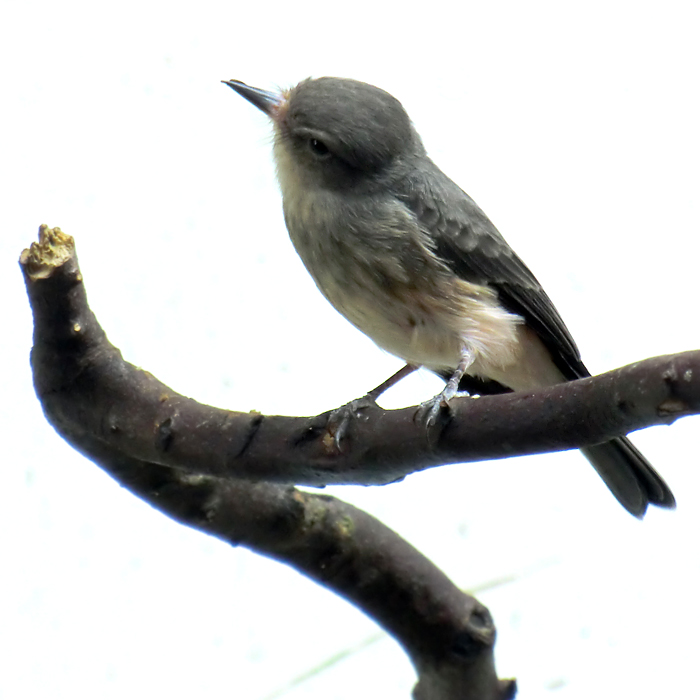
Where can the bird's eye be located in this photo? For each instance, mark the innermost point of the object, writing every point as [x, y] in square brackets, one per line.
[318, 148]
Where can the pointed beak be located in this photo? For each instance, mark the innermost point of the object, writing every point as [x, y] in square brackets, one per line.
[266, 101]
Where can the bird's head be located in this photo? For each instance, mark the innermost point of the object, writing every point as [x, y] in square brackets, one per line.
[335, 132]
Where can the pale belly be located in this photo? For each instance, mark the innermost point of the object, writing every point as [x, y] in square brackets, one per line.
[428, 329]
[433, 332]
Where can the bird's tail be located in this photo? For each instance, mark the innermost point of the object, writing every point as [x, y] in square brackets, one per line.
[626, 472]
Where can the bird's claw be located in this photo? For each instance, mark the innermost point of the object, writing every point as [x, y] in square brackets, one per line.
[340, 420]
[428, 412]
[436, 408]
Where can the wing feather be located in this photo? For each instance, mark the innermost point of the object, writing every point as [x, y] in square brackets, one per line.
[466, 240]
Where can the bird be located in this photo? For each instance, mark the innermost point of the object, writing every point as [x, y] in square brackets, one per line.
[409, 258]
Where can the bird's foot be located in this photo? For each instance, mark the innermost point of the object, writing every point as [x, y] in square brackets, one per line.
[428, 412]
[340, 421]
[436, 408]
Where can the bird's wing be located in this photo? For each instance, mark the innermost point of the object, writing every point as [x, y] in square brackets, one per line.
[466, 240]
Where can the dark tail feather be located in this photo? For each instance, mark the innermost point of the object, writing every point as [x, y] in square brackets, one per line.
[623, 468]
[629, 476]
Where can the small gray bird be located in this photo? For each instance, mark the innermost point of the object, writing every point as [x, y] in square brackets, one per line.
[410, 259]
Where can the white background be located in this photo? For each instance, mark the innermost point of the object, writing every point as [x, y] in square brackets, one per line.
[576, 129]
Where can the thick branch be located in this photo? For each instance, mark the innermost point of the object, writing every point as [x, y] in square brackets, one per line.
[95, 400]
[97, 393]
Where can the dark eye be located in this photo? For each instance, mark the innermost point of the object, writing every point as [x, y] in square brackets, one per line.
[318, 148]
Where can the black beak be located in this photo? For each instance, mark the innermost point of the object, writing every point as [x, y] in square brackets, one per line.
[263, 100]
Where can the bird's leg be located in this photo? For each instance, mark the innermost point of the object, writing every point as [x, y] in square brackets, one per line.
[427, 412]
[340, 419]
[394, 379]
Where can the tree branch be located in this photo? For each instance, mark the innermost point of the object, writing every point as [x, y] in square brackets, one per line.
[97, 393]
[133, 427]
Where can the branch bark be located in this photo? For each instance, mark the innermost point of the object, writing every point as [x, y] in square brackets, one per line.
[96, 392]
[122, 418]
[228, 473]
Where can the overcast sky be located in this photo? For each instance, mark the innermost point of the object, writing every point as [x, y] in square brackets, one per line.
[574, 126]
